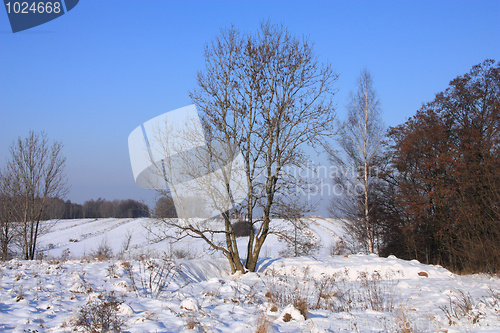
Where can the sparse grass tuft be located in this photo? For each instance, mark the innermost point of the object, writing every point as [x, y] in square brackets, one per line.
[331, 292]
[263, 324]
[152, 275]
[462, 307]
[403, 321]
[301, 305]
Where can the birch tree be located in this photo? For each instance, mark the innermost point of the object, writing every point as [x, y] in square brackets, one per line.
[357, 162]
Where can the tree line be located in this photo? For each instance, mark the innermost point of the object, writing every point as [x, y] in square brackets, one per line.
[100, 208]
[444, 202]
[57, 208]
[12, 215]
[434, 194]
[32, 185]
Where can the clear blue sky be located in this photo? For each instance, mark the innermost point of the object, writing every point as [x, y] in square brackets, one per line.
[91, 76]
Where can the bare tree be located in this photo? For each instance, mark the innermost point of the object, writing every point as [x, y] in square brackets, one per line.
[267, 95]
[263, 97]
[36, 169]
[295, 231]
[199, 180]
[358, 162]
[8, 207]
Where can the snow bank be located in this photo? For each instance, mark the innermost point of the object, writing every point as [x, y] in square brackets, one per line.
[353, 265]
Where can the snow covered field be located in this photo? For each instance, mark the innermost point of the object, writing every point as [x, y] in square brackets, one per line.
[319, 293]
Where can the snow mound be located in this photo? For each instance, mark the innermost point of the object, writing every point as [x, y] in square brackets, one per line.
[352, 266]
[189, 304]
[291, 313]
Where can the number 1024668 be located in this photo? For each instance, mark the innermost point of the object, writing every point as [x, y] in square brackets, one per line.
[18, 7]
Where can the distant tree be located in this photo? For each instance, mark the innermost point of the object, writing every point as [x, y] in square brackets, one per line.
[72, 210]
[108, 208]
[358, 163]
[132, 209]
[165, 207]
[90, 208]
[447, 193]
[56, 208]
[36, 167]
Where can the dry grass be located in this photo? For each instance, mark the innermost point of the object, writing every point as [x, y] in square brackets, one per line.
[336, 293]
[100, 315]
[152, 276]
[301, 305]
[462, 307]
[263, 324]
[403, 321]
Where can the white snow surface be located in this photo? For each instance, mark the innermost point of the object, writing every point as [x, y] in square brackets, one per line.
[342, 293]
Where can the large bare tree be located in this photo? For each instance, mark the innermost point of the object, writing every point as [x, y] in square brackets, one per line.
[267, 95]
[33, 175]
[358, 162]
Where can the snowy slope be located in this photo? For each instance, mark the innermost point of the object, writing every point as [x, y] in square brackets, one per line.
[83, 236]
[352, 293]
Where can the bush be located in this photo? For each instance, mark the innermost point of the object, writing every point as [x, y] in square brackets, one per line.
[182, 254]
[462, 307]
[152, 276]
[100, 314]
[241, 229]
[103, 252]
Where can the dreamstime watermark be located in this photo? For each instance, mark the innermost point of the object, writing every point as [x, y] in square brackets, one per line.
[331, 180]
[311, 171]
[169, 152]
[325, 188]
[31, 13]
[384, 325]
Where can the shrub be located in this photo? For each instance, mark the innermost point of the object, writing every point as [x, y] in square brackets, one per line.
[376, 293]
[182, 254]
[337, 248]
[462, 306]
[241, 228]
[100, 314]
[152, 277]
[103, 252]
[65, 254]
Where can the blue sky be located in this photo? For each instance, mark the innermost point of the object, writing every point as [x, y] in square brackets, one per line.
[91, 76]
